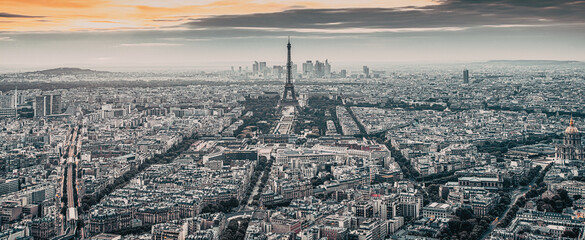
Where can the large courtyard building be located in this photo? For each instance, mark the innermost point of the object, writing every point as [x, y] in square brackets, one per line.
[571, 149]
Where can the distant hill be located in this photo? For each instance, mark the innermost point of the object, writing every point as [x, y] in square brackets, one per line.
[67, 71]
[531, 62]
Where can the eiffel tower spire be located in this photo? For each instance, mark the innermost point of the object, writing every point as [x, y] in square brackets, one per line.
[289, 88]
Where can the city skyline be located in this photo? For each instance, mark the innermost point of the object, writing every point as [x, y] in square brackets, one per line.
[106, 34]
[292, 119]
[293, 151]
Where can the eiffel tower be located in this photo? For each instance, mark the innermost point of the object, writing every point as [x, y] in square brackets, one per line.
[289, 97]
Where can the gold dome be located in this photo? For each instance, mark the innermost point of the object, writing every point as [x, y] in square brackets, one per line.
[571, 129]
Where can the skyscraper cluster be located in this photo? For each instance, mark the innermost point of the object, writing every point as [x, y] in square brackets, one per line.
[46, 105]
[9, 104]
[366, 71]
[319, 69]
[260, 69]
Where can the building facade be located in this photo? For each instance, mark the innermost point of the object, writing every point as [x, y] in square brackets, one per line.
[571, 149]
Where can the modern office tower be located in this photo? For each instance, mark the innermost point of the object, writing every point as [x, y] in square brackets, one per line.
[6, 101]
[308, 68]
[327, 68]
[294, 70]
[255, 68]
[39, 106]
[55, 104]
[465, 76]
[319, 70]
[262, 67]
[277, 71]
[366, 71]
[47, 105]
[9, 104]
[15, 98]
[343, 73]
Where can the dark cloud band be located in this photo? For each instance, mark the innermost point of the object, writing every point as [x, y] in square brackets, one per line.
[452, 13]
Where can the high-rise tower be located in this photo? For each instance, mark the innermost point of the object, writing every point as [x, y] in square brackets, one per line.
[289, 97]
[16, 102]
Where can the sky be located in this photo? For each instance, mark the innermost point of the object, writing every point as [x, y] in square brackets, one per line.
[174, 33]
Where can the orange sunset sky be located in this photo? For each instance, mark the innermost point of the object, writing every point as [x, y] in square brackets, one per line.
[78, 15]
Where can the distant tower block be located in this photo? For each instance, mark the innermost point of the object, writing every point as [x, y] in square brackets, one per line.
[367, 71]
[465, 76]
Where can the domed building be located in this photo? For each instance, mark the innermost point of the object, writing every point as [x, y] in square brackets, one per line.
[571, 149]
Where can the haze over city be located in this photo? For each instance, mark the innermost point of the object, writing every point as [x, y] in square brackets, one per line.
[292, 120]
[144, 33]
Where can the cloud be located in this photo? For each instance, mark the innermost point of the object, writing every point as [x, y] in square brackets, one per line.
[168, 20]
[10, 15]
[294, 14]
[478, 28]
[363, 30]
[6, 39]
[56, 3]
[449, 15]
[150, 44]
[294, 7]
[177, 39]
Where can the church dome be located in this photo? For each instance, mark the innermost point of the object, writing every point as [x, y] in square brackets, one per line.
[571, 129]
